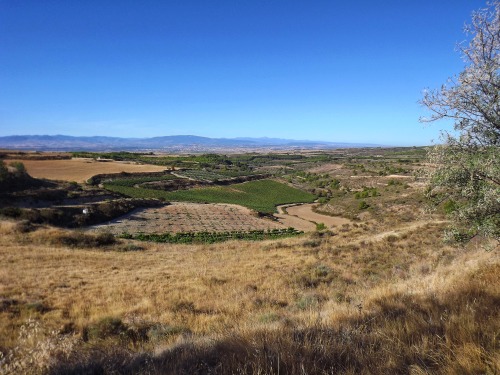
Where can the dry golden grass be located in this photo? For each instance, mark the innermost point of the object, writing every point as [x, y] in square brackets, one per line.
[345, 303]
[80, 169]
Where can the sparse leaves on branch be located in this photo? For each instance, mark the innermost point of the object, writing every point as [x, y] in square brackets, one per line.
[467, 164]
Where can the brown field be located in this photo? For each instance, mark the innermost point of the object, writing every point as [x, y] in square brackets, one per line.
[188, 217]
[326, 168]
[194, 217]
[80, 169]
[380, 293]
[417, 297]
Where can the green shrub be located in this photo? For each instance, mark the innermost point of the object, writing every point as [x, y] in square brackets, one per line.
[82, 240]
[320, 226]
[105, 328]
[213, 237]
[24, 226]
[307, 301]
[4, 172]
[12, 212]
[313, 276]
[159, 332]
[363, 205]
[19, 167]
[269, 317]
[449, 206]
[394, 182]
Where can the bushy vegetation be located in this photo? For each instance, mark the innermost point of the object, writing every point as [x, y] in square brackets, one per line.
[3, 170]
[399, 306]
[467, 163]
[367, 192]
[76, 239]
[188, 161]
[401, 334]
[213, 237]
[73, 216]
[380, 295]
[13, 177]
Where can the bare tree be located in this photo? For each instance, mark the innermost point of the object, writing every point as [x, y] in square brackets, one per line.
[467, 164]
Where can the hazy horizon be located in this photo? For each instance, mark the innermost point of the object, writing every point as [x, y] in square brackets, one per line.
[328, 71]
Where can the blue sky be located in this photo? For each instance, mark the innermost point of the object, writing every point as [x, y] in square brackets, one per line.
[340, 71]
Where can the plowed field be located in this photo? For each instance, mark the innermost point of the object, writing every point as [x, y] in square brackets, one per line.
[189, 217]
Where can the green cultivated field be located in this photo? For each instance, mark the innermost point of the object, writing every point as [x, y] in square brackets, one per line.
[262, 195]
[202, 175]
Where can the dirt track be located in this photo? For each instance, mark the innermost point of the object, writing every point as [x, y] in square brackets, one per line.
[302, 217]
[296, 222]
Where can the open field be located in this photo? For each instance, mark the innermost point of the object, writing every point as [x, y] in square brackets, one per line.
[189, 217]
[262, 195]
[304, 218]
[377, 292]
[433, 307]
[80, 169]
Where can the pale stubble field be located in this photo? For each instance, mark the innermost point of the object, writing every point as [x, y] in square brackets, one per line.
[81, 169]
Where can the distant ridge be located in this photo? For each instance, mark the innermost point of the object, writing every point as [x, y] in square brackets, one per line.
[177, 143]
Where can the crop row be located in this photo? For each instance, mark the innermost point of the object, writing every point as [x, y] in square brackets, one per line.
[261, 195]
[202, 175]
[213, 237]
[130, 182]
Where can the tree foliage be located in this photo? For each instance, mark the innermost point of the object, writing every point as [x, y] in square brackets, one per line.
[4, 172]
[467, 164]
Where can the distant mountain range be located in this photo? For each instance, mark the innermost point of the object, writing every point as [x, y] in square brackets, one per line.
[173, 143]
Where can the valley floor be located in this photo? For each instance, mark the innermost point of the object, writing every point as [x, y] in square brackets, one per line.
[374, 290]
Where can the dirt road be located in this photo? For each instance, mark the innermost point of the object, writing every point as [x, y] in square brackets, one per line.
[303, 217]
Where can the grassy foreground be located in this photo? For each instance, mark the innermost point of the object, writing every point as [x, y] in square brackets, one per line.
[262, 195]
[320, 304]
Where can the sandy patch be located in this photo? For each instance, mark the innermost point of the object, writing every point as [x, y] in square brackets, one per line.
[398, 176]
[326, 168]
[305, 211]
[302, 217]
[296, 222]
[81, 169]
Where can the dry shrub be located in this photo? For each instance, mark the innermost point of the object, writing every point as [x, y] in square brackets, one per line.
[74, 239]
[105, 328]
[24, 226]
[235, 308]
[315, 275]
[454, 332]
[38, 350]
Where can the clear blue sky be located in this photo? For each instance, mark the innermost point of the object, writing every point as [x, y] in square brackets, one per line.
[347, 71]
